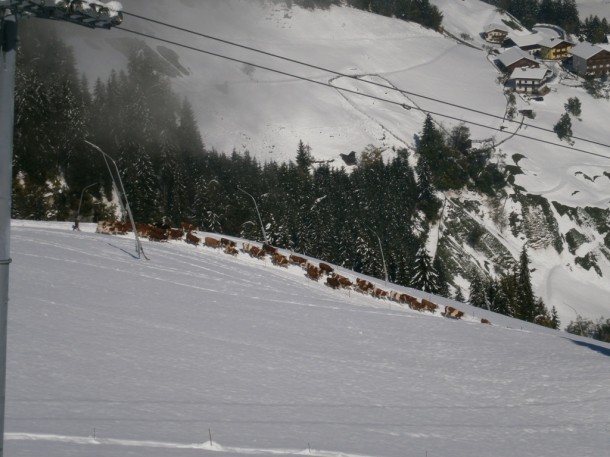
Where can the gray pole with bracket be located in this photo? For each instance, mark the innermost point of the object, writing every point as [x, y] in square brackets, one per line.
[8, 43]
[90, 15]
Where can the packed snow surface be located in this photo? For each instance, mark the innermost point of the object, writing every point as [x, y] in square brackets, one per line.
[112, 355]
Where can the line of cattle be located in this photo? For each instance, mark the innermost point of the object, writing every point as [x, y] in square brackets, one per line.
[312, 271]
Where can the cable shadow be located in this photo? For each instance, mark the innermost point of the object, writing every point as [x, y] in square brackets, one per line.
[133, 256]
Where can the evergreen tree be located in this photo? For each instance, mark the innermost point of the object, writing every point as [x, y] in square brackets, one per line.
[459, 296]
[442, 278]
[424, 276]
[478, 291]
[426, 200]
[304, 158]
[527, 306]
[563, 128]
[573, 106]
[497, 298]
[554, 323]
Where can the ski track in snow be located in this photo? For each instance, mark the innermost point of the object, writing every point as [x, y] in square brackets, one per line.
[207, 446]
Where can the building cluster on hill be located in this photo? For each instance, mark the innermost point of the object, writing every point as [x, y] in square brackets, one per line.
[525, 58]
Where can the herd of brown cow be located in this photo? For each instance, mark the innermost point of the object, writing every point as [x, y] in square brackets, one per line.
[312, 271]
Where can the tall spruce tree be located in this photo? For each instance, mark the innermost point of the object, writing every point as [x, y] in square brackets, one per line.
[525, 293]
[424, 276]
[478, 290]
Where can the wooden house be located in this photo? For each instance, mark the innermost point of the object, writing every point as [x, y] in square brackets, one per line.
[528, 80]
[589, 59]
[555, 48]
[515, 58]
[495, 33]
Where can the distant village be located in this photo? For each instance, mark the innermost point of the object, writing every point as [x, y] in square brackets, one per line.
[529, 61]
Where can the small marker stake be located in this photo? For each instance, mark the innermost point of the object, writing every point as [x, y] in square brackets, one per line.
[210, 433]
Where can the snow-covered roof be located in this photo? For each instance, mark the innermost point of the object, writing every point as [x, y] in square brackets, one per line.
[586, 50]
[529, 73]
[513, 55]
[553, 42]
[526, 40]
[495, 26]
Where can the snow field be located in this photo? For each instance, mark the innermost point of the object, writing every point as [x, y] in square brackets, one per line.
[154, 353]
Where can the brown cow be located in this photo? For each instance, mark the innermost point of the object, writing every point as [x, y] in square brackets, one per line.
[257, 252]
[227, 242]
[231, 250]
[269, 249]
[432, 307]
[187, 227]
[142, 229]
[343, 281]
[312, 272]
[212, 242]
[175, 234]
[453, 313]
[416, 305]
[394, 296]
[192, 239]
[485, 321]
[333, 282]
[364, 286]
[297, 260]
[406, 298]
[280, 260]
[157, 234]
[379, 293]
[115, 228]
[326, 268]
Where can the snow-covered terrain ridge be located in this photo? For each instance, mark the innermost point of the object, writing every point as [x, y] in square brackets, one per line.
[110, 355]
[244, 108]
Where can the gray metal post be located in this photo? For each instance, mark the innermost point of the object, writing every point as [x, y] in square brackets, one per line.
[385, 270]
[259, 214]
[8, 41]
[139, 248]
[81, 199]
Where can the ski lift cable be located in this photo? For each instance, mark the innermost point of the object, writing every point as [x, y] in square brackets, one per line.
[361, 94]
[345, 75]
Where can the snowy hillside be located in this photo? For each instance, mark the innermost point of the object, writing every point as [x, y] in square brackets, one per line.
[244, 108]
[113, 356]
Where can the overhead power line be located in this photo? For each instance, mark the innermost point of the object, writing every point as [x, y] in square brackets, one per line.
[350, 91]
[345, 75]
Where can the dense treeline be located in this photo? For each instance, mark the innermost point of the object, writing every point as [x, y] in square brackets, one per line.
[594, 30]
[512, 295]
[420, 11]
[563, 13]
[598, 330]
[347, 218]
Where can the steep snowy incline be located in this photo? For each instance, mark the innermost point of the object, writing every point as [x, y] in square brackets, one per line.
[241, 107]
[110, 355]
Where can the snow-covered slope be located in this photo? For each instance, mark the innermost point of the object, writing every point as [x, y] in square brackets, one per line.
[110, 355]
[241, 107]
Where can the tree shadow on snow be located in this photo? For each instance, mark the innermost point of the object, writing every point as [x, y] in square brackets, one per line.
[594, 347]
